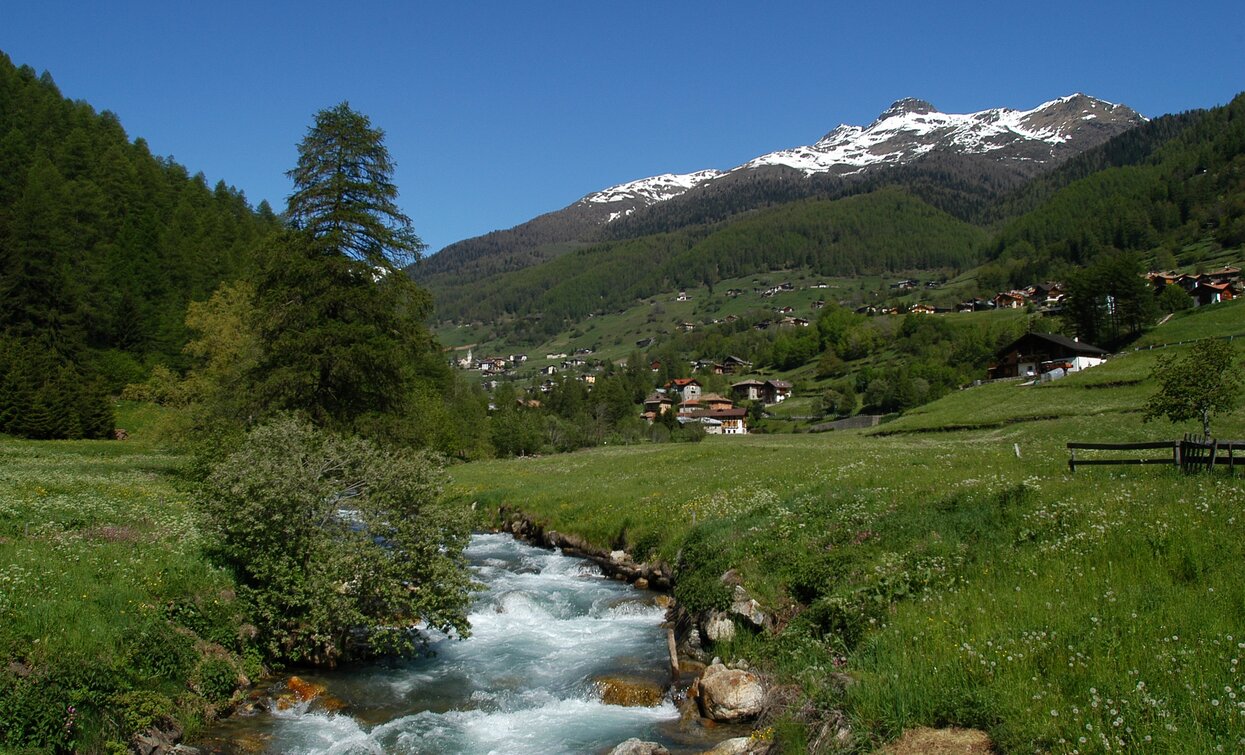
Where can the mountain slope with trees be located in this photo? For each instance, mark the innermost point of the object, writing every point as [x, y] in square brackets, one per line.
[1175, 182]
[1152, 191]
[102, 246]
[884, 231]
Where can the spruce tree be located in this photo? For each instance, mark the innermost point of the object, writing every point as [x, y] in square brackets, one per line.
[344, 193]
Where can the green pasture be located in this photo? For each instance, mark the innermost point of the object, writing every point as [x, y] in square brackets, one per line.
[949, 563]
[110, 617]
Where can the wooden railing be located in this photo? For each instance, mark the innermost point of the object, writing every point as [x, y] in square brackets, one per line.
[1191, 454]
[1073, 462]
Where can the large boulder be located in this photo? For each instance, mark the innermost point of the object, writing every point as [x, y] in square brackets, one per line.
[730, 695]
[636, 746]
[739, 746]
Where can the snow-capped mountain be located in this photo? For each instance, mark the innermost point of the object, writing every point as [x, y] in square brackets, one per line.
[909, 130]
[980, 154]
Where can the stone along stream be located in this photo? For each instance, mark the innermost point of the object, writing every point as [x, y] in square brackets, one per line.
[546, 631]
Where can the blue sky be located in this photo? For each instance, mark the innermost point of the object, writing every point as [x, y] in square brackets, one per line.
[496, 112]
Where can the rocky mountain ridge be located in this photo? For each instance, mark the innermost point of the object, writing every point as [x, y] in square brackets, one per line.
[908, 130]
[999, 147]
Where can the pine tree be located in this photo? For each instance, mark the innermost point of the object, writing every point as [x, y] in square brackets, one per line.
[344, 193]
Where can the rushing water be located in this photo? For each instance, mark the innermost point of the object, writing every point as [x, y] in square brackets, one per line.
[544, 630]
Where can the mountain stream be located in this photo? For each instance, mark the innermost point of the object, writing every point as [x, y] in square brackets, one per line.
[546, 630]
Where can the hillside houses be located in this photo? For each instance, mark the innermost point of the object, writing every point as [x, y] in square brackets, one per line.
[1206, 288]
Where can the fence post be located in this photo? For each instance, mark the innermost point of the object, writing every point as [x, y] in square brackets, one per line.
[1214, 451]
[1072, 461]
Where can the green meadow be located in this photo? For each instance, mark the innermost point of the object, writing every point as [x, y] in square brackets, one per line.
[949, 563]
[111, 619]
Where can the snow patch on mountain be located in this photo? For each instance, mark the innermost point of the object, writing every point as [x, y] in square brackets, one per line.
[652, 190]
[912, 128]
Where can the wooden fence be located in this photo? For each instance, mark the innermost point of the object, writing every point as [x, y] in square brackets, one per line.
[1192, 453]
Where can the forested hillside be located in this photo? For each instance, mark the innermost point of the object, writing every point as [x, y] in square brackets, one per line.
[1152, 191]
[879, 232]
[963, 186]
[102, 245]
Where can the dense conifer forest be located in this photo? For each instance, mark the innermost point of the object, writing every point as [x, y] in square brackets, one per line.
[102, 246]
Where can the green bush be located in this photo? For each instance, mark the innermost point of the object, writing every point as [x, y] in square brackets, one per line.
[699, 585]
[216, 679]
[161, 652]
[139, 710]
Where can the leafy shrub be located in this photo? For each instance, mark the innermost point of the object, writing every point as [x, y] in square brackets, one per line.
[814, 574]
[34, 712]
[139, 710]
[161, 652]
[699, 585]
[216, 679]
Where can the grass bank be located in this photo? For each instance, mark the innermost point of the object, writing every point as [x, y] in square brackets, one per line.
[111, 618]
[961, 577]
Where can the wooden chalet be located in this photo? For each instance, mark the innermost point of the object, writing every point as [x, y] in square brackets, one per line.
[1033, 354]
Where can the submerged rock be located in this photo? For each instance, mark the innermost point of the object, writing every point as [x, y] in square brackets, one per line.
[630, 693]
[299, 690]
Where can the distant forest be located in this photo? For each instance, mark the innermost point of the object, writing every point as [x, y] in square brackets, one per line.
[883, 231]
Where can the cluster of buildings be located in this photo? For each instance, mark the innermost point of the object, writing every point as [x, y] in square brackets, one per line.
[1213, 287]
[717, 414]
[491, 365]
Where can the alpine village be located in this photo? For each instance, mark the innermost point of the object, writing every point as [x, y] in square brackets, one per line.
[923, 437]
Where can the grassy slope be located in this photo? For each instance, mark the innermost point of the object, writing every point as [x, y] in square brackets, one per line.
[106, 601]
[960, 582]
[613, 336]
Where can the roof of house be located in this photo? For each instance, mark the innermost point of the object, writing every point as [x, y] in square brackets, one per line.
[1034, 341]
[778, 383]
[709, 398]
[744, 383]
[680, 382]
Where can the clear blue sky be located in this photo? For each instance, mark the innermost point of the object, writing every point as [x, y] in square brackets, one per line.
[498, 111]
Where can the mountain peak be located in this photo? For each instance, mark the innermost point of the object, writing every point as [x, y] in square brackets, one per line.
[908, 105]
